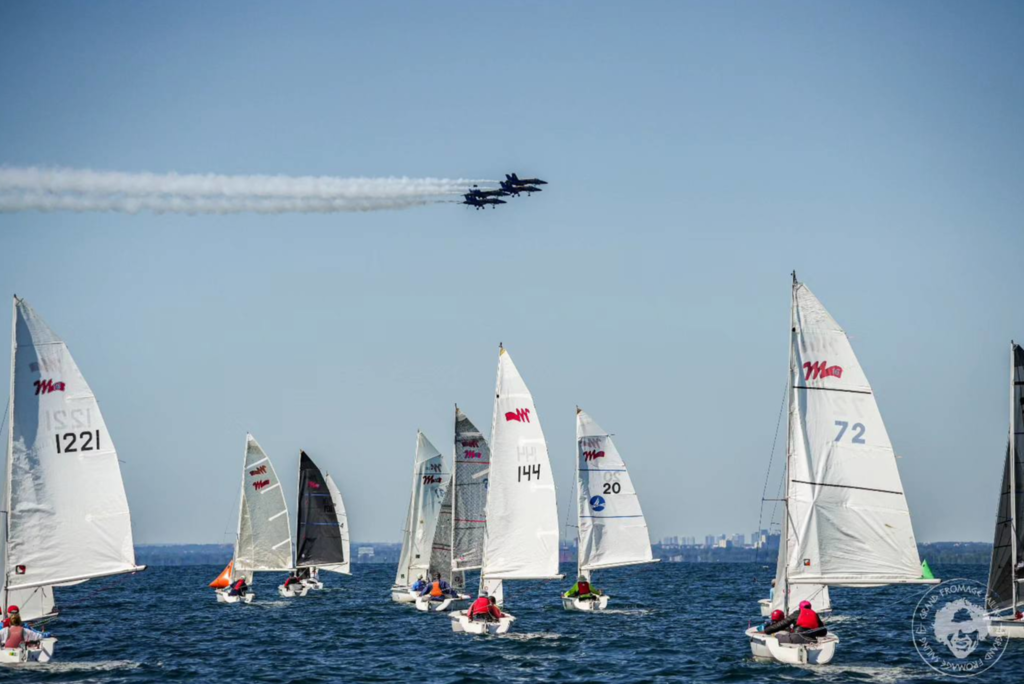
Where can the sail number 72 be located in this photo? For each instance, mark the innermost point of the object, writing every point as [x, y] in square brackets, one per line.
[858, 431]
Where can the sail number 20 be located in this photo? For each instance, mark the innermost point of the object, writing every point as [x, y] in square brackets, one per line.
[528, 472]
[858, 431]
[69, 441]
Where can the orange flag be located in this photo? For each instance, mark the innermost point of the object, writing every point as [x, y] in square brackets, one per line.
[224, 579]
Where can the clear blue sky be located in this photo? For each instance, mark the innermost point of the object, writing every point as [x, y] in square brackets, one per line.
[697, 153]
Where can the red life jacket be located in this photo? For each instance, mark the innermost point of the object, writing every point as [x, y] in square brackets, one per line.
[808, 619]
[480, 607]
[583, 588]
[15, 635]
[239, 584]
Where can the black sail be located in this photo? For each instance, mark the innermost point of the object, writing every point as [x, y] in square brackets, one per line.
[318, 539]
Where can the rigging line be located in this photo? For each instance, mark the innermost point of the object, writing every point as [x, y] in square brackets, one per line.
[4, 421]
[767, 475]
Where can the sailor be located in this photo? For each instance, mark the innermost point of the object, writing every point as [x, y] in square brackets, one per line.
[808, 626]
[582, 590]
[419, 585]
[11, 612]
[239, 588]
[481, 608]
[16, 634]
[439, 588]
[293, 578]
[771, 592]
[776, 616]
[493, 609]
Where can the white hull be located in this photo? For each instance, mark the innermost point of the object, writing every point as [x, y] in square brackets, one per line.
[598, 604]
[1006, 627]
[224, 597]
[424, 604]
[404, 595]
[40, 652]
[295, 590]
[461, 623]
[767, 647]
[314, 584]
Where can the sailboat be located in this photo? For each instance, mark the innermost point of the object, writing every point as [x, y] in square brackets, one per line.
[521, 532]
[611, 527]
[846, 521]
[264, 539]
[1004, 575]
[321, 537]
[429, 482]
[459, 538]
[67, 514]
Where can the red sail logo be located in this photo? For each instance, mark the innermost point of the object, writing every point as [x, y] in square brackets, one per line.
[47, 386]
[431, 479]
[260, 485]
[313, 485]
[474, 443]
[519, 415]
[820, 369]
[592, 455]
[258, 471]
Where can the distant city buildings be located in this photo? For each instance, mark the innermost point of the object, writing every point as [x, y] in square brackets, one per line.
[758, 540]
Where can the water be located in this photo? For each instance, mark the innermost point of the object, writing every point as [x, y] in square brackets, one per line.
[671, 622]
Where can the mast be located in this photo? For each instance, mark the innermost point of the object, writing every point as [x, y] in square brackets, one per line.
[576, 488]
[241, 503]
[10, 445]
[784, 538]
[1013, 478]
[455, 491]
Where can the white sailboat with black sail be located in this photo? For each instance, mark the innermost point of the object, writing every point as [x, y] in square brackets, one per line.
[459, 538]
[1006, 571]
[321, 536]
[429, 482]
[611, 526]
[845, 521]
[67, 518]
[264, 540]
[521, 532]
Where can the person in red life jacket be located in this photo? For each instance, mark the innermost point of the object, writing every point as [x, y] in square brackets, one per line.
[582, 590]
[806, 624]
[493, 609]
[239, 588]
[481, 608]
[291, 579]
[11, 612]
[17, 634]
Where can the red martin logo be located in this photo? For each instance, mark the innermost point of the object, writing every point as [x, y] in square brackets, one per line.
[821, 369]
[519, 415]
[260, 485]
[313, 485]
[473, 454]
[474, 443]
[259, 471]
[431, 479]
[47, 386]
[592, 455]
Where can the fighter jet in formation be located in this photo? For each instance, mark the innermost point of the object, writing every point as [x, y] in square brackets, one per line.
[512, 185]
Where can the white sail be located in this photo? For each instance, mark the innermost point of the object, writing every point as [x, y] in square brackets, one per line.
[68, 518]
[472, 464]
[264, 531]
[612, 528]
[339, 507]
[848, 518]
[521, 540]
[428, 480]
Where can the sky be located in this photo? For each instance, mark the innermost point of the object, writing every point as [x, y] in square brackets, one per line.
[697, 153]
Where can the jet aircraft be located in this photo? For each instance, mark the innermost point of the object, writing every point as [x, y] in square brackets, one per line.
[516, 180]
[509, 188]
[477, 192]
[481, 202]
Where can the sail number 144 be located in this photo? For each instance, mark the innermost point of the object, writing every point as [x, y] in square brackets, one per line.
[528, 472]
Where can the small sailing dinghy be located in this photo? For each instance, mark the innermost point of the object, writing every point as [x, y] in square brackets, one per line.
[429, 482]
[846, 521]
[264, 539]
[1006, 571]
[521, 532]
[459, 539]
[611, 527]
[67, 514]
[321, 537]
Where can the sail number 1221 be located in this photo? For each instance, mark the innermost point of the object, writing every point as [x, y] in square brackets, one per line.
[69, 441]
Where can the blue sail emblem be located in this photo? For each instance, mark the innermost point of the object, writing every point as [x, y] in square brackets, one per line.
[597, 503]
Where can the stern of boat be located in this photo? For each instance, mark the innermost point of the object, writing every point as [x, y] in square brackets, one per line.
[575, 604]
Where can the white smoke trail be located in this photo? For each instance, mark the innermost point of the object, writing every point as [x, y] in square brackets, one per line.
[62, 189]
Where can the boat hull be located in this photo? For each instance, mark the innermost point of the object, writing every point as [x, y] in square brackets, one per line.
[1006, 627]
[403, 594]
[40, 652]
[295, 590]
[224, 597]
[463, 624]
[425, 604]
[767, 647]
[594, 606]
[313, 584]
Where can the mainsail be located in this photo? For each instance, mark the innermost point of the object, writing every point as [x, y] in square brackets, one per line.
[612, 528]
[847, 518]
[264, 536]
[339, 508]
[68, 519]
[521, 541]
[472, 464]
[318, 538]
[441, 548]
[1003, 592]
[428, 485]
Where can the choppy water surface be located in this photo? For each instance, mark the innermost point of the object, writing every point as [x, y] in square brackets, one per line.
[671, 622]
